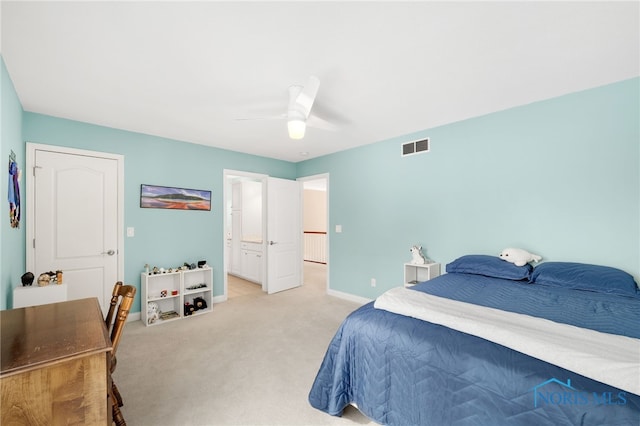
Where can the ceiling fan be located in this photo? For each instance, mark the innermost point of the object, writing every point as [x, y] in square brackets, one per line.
[300, 103]
[301, 100]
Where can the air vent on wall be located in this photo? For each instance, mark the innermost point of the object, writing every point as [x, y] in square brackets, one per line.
[415, 147]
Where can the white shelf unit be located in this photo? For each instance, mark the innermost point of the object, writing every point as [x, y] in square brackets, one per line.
[176, 285]
[414, 274]
[202, 280]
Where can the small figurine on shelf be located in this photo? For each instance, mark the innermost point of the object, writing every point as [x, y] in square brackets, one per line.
[146, 269]
[27, 278]
[153, 312]
[188, 309]
[417, 257]
[43, 279]
[199, 303]
[163, 293]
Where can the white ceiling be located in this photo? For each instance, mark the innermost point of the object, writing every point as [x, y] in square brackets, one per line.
[187, 71]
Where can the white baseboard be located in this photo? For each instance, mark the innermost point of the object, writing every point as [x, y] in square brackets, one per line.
[349, 297]
[219, 299]
[136, 316]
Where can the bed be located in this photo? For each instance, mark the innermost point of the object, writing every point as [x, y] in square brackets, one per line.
[490, 343]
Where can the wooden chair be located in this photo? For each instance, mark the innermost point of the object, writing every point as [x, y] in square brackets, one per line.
[121, 301]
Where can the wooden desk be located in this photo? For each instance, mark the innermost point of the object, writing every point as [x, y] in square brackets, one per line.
[54, 365]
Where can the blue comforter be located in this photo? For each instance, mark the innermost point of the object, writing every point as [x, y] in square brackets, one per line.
[403, 371]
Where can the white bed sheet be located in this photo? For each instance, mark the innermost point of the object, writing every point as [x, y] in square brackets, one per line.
[607, 358]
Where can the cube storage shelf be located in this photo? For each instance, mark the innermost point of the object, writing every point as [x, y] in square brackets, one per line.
[172, 289]
[414, 274]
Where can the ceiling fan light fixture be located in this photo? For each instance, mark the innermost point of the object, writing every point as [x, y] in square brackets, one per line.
[296, 128]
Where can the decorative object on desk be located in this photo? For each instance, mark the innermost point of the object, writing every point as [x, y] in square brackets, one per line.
[155, 270]
[153, 312]
[14, 191]
[43, 279]
[192, 266]
[27, 278]
[417, 258]
[174, 292]
[166, 197]
[518, 257]
[202, 263]
[163, 293]
[58, 277]
[199, 303]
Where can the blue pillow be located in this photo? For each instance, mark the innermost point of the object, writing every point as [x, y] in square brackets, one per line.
[489, 266]
[582, 276]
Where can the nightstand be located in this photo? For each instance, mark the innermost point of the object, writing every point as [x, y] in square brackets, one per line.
[414, 274]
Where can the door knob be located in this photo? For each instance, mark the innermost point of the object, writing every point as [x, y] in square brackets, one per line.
[272, 243]
[110, 252]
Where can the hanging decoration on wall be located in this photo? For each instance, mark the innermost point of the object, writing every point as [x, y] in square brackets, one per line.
[14, 191]
[166, 197]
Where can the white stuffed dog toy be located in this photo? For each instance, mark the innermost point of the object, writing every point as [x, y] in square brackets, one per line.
[417, 256]
[153, 312]
[518, 257]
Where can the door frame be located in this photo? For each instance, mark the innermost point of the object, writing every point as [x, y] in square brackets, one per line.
[226, 195]
[31, 149]
[324, 176]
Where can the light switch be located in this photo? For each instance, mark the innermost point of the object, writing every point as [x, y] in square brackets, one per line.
[338, 228]
[130, 232]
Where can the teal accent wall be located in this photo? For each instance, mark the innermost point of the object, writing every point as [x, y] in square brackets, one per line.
[12, 240]
[559, 178]
[162, 237]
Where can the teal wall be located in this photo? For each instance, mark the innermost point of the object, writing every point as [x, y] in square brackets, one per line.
[559, 178]
[162, 237]
[12, 240]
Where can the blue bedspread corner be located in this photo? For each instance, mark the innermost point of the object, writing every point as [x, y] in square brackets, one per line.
[403, 371]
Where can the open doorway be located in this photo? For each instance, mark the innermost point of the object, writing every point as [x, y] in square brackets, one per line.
[315, 221]
[244, 234]
[250, 220]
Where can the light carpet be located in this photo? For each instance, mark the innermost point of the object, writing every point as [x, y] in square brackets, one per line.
[249, 362]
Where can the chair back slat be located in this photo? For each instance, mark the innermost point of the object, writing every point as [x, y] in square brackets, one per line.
[112, 306]
[125, 295]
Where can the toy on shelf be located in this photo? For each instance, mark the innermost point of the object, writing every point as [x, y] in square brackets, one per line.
[189, 309]
[199, 303]
[153, 312]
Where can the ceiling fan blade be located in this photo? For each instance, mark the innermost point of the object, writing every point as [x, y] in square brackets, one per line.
[304, 100]
[320, 123]
[267, 117]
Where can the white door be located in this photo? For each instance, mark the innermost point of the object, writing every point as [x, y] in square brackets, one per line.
[284, 252]
[76, 221]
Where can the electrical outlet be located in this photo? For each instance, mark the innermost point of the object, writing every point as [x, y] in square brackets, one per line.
[373, 282]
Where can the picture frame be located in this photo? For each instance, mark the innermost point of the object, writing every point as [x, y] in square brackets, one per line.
[168, 197]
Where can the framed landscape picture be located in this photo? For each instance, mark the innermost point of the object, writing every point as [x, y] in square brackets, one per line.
[167, 197]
